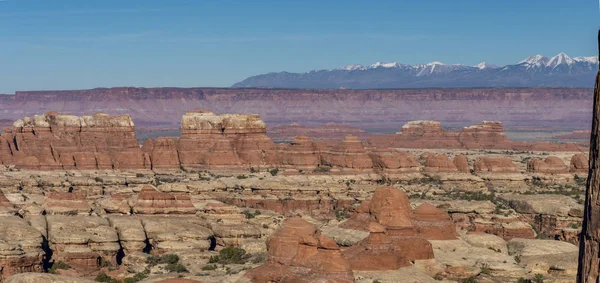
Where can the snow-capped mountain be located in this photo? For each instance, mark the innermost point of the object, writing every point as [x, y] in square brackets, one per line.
[537, 70]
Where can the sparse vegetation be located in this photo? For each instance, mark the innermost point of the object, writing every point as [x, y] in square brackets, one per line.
[102, 277]
[580, 181]
[209, 267]
[485, 269]
[322, 169]
[162, 259]
[140, 175]
[58, 265]
[136, 278]
[538, 278]
[250, 215]
[274, 172]
[176, 267]
[469, 280]
[242, 177]
[230, 255]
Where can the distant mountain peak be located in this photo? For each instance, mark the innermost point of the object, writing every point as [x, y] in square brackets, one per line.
[385, 65]
[485, 65]
[560, 59]
[352, 67]
[435, 63]
[536, 70]
[536, 60]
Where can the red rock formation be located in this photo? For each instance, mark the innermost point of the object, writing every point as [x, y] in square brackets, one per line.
[390, 207]
[302, 153]
[151, 201]
[434, 224]
[494, 165]
[461, 163]
[6, 208]
[376, 252]
[66, 204]
[348, 154]
[298, 252]
[439, 163]
[487, 134]
[58, 141]
[550, 165]
[579, 163]
[224, 141]
[418, 134]
[162, 152]
[393, 161]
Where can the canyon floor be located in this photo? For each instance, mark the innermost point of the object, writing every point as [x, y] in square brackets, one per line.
[213, 226]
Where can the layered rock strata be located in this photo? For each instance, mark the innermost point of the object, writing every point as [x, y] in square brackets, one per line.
[60, 141]
[298, 252]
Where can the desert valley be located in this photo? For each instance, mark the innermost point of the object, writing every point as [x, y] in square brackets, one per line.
[82, 200]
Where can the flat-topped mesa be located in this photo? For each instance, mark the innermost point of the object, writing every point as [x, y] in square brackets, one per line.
[350, 153]
[550, 165]
[207, 122]
[487, 134]
[494, 165]
[61, 141]
[579, 164]
[224, 141]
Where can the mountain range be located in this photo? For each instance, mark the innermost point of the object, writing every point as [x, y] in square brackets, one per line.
[534, 71]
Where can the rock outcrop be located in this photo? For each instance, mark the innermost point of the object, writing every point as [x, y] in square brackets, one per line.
[229, 140]
[461, 163]
[550, 165]
[60, 141]
[83, 241]
[433, 223]
[494, 165]
[20, 247]
[390, 161]
[407, 230]
[439, 163]
[579, 163]
[350, 153]
[151, 201]
[298, 252]
[375, 252]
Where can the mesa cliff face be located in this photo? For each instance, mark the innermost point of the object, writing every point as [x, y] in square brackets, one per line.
[59, 141]
[240, 142]
[532, 107]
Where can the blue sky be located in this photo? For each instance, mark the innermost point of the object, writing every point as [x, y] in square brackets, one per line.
[73, 44]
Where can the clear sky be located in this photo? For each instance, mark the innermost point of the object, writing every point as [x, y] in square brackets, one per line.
[72, 44]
